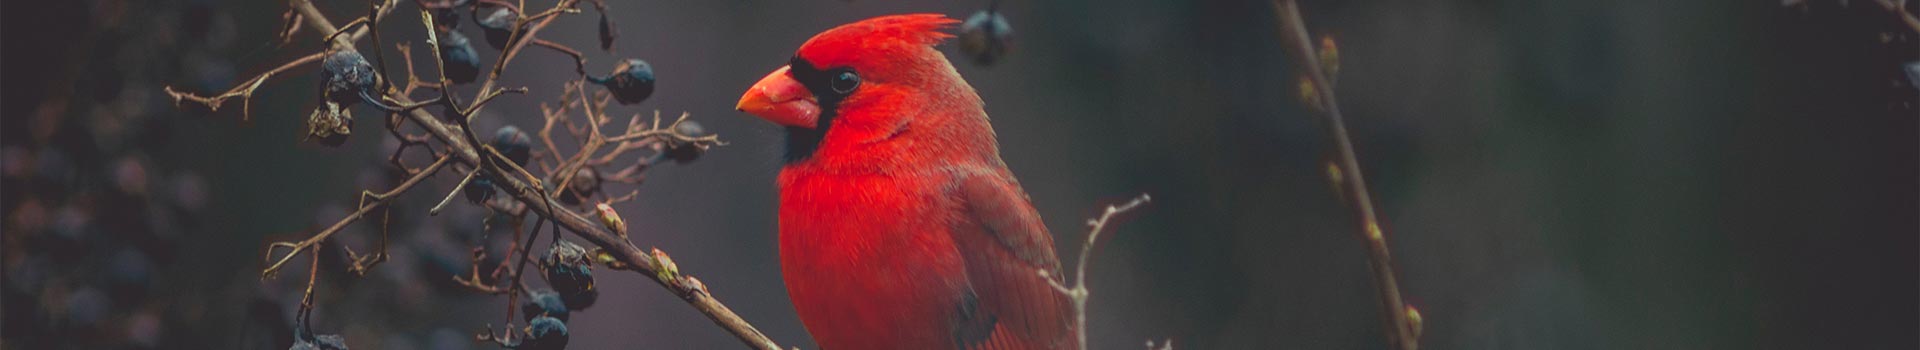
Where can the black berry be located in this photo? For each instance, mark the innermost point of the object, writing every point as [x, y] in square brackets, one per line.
[544, 303]
[571, 274]
[514, 144]
[545, 333]
[446, 13]
[462, 64]
[479, 190]
[497, 23]
[631, 83]
[686, 152]
[584, 184]
[346, 78]
[986, 37]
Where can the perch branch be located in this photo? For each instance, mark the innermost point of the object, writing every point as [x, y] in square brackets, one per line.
[1346, 174]
[628, 255]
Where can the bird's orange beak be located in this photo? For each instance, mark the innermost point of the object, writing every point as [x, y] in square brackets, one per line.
[781, 100]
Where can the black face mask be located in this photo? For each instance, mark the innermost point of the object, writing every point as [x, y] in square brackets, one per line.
[829, 87]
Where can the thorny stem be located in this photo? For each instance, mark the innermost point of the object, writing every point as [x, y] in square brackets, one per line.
[1078, 293]
[1293, 31]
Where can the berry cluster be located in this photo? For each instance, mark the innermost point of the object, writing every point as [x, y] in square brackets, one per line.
[507, 174]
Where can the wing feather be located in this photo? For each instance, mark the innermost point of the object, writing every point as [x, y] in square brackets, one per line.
[1005, 245]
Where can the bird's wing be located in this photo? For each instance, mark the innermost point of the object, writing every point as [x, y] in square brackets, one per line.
[1005, 245]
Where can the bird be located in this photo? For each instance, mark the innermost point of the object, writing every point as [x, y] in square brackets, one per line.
[900, 227]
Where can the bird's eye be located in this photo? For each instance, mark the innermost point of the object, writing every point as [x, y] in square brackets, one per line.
[845, 82]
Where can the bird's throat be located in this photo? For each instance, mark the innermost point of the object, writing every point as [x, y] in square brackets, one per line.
[803, 142]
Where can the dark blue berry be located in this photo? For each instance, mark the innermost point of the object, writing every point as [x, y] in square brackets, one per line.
[346, 78]
[514, 144]
[1913, 72]
[569, 271]
[446, 14]
[479, 190]
[448, 18]
[686, 152]
[497, 23]
[544, 303]
[986, 37]
[462, 64]
[585, 183]
[631, 83]
[545, 333]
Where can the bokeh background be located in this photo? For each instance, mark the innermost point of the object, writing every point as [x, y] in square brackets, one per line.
[1553, 174]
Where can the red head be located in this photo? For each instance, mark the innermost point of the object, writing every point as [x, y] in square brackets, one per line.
[866, 81]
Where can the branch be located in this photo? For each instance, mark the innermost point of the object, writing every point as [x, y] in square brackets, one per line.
[579, 61]
[1078, 293]
[1346, 175]
[379, 200]
[244, 91]
[521, 32]
[459, 149]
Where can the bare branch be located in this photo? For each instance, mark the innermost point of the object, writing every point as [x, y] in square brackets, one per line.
[462, 147]
[1347, 174]
[244, 91]
[379, 201]
[1078, 292]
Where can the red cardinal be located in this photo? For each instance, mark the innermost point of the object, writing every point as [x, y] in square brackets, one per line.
[900, 227]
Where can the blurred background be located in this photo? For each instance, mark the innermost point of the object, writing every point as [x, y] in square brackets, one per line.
[1552, 174]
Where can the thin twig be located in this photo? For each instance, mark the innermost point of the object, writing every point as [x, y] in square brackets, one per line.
[464, 182]
[379, 200]
[579, 60]
[244, 91]
[517, 41]
[1293, 31]
[1078, 293]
